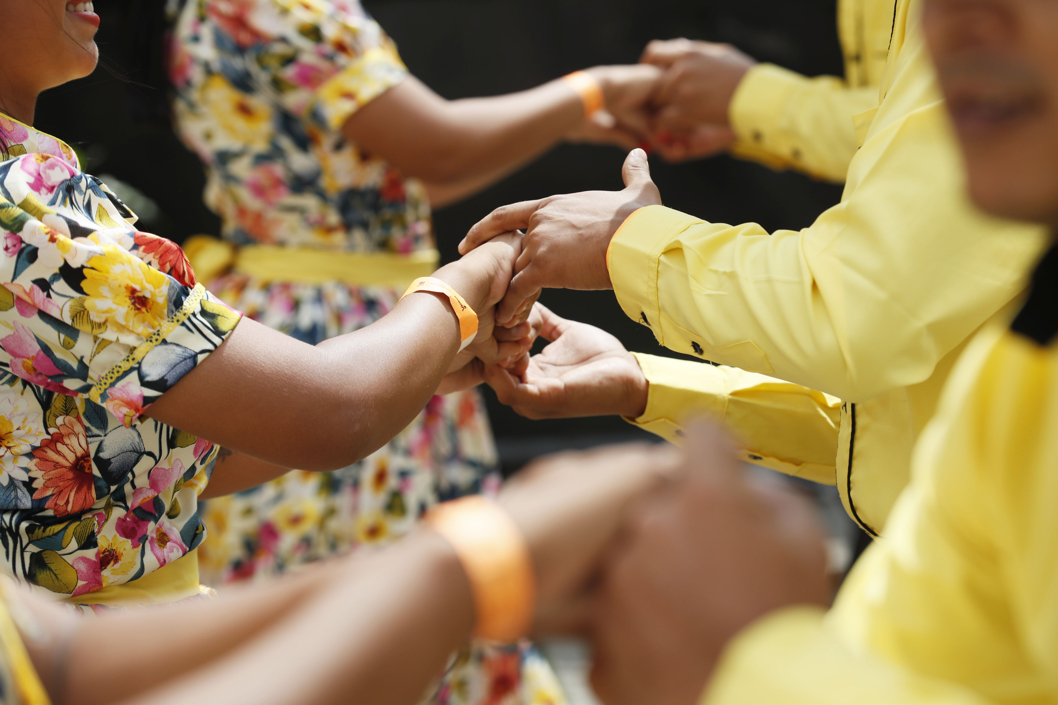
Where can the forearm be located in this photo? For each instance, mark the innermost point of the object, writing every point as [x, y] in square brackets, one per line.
[445, 142]
[235, 472]
[789, 121]
[868, 298]
[781, 426]
[374, 629]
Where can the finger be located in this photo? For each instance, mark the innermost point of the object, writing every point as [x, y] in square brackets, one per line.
[523, 287]
[518, 332]
[502, 220]
[664, 53]
[507, 387]
[520, 367]
[552, 325]
[711, 454]
[526, 310]
[674, 118]
[636, 170]
[512, 349]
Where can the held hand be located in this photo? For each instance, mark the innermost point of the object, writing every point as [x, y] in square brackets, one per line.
[585, 371]
[697, 567]
[699, 83]
[569, 508]
[482, 277]
[567, 237]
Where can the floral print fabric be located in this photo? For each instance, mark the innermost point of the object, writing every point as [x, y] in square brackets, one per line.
[97, 320]
[262, 90]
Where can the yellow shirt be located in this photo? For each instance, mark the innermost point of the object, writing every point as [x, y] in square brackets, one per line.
[789, 121]
[871, 304]
[958, 602]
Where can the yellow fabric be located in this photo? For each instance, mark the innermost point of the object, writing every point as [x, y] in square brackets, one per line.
[870, 303]
[789, 121]
[211, 257]
[16, 662]
[171, 583]
[760, 408]
[957, 603]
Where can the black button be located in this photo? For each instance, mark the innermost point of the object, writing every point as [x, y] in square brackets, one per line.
[755, 457]
[758, 136]
[797, 155]
[696, 348]
[680, 433]
[643, 317]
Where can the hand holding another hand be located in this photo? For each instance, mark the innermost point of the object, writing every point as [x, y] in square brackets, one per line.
[700, 562]
[585, 371]
[566, 237]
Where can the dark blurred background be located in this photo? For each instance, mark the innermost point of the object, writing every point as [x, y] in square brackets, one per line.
[464, 48]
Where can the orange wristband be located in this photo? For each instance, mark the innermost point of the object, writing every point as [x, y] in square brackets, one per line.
[468, 320]
[496, 560]
[588, 89]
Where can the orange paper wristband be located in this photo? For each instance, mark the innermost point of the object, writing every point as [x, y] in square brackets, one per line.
[468, 319]
[496, 560]
[588, 89]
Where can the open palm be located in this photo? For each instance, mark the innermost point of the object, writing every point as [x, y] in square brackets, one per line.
[585, 371]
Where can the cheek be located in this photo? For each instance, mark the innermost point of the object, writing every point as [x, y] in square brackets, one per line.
[1017, 179]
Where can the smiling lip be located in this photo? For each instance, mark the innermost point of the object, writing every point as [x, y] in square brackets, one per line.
[84, 11]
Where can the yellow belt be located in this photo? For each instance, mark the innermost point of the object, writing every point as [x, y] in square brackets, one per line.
[211, 257]
[171, 583]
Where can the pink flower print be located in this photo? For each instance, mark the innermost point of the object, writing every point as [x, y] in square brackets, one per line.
[166, 544]
[132, 528]
[29, 301]
[12, 244]
[89, 574]
[202, 448]
[13, 132]
[307, 75]
[46, 172]
[233, 18]
[164, 478]
[180, 64]
[28, 362]
[125, 402]
[266, 183]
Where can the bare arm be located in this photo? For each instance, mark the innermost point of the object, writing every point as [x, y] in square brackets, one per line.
[321, 408]
[477, 141]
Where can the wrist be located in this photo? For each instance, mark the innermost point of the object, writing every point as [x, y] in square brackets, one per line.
[638, 392]
[472, 283]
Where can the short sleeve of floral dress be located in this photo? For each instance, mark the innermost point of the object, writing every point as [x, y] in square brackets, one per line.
[262, 89]
[97, 320]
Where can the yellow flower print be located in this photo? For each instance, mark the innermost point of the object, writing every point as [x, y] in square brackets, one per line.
[297, 517]
[371, 527]
[243, 118]
[125, 292]
[117, 558]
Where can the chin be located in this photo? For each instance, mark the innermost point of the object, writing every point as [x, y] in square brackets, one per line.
[1014, 199]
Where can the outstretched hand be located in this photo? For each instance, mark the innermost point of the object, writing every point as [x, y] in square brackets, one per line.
[566, 237]
[585, 371]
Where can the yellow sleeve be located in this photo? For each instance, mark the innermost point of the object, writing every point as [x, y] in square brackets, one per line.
[788, 121]
[865, 300]
[794, 658]
[783, 426]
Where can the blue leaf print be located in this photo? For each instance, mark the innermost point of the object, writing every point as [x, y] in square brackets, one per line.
[118, 453]
[13, 496]
[165, 365]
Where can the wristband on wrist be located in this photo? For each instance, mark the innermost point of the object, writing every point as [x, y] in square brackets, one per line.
[495, 558]
[468, 319]
[589, 90]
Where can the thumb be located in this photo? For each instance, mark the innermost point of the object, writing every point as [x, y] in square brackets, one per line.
[636, 169]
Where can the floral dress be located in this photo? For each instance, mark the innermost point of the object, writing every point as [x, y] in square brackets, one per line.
[97, 320]
[262, 89]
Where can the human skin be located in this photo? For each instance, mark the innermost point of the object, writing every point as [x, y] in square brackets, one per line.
[459, 147]
[341, 399]
[997, 65]
[375, 627]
